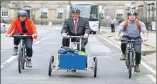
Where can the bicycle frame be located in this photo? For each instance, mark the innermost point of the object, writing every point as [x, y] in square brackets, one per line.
[130, 48]
[74, 44]
[22, 46]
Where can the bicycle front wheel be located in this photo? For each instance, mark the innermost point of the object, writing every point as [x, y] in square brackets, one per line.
[20, 54]
[23, 58]
[130, 64]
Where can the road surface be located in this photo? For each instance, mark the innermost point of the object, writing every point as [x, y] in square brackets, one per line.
[110, 69]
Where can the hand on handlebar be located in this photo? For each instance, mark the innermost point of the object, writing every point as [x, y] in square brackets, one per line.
[118, 38]
[64, 35]
[8, 35]
[34, 35]
[86, 36]
[145, 39]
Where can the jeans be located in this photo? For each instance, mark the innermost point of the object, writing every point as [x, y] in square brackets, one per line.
[28, 41]
[137, 48]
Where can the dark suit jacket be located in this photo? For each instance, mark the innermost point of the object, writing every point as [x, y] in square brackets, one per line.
[82, 27]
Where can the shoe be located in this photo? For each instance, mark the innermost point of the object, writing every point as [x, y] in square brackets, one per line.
[15, 50]
[29, 62]
[83, 49]
[137, 68]
[123, 57]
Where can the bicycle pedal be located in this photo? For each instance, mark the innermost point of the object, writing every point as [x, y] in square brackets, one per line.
[29, 66]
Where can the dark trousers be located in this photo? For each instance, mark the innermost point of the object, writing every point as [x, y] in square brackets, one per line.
[28, 43]
[66, 41]
[137, 47]
[112, 28]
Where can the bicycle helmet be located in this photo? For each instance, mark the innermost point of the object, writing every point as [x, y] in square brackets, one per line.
[132, 13]
[22, 13]
[75, 10]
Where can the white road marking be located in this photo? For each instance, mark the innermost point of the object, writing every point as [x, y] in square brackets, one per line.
[2, 66]
[151, 62]
[2, 51]
[148, 67]
[10, 59]
[37, 42]
[144, 64]
[152, 77]
[13, 57]
[46, 37]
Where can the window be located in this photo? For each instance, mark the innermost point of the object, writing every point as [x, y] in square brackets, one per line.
[4, 12]
[94, 12]
[119, 16]
[60, 13]
[44, 12]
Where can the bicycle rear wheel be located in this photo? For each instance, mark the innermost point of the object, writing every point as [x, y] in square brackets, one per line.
[130, 64]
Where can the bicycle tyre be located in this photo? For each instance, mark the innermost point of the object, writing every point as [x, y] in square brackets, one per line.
[24, 58]
[50, 65]
[95, 67]
[130, 64]
[20, 53]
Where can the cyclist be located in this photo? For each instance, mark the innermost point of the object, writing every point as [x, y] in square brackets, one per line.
[132, 31]
[23, 25]
[76, 26]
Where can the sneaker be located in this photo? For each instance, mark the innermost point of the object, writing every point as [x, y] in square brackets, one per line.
[123, 57]
[137, 68]
[29, 62]
[15, 50]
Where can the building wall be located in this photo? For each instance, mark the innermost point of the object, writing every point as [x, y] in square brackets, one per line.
[35, 6]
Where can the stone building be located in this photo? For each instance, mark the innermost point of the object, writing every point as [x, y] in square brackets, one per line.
[45, 11]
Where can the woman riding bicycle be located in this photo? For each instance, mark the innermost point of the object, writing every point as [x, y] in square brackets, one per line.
[23, 25]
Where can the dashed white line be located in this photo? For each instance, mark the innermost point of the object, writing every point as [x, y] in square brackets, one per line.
[37, 42]
[152, 77]
[148, 67]
[151, 62]
[45, 38]
[11, 58]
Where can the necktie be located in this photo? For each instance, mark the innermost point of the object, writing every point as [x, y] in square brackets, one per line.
[75, 26]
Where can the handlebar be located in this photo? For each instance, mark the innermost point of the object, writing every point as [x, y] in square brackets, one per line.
[74, 36]
[18, 35]
[132, 40]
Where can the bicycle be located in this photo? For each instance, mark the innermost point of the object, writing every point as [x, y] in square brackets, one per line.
[22, 58]
[72, 61]
[130, 56]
